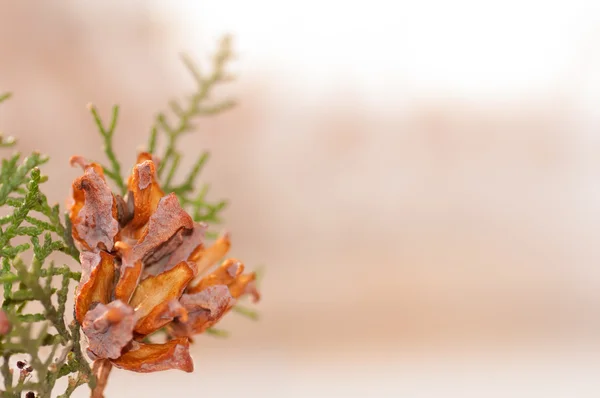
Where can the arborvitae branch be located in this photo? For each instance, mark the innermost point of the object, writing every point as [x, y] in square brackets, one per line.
[152, 140]
[114, 172]
[33, 218]
[185, 112]
[188, 184]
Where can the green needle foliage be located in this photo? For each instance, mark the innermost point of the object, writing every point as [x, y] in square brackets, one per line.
[170, 128]
[35, 291]
[114, 171]
[32, 234]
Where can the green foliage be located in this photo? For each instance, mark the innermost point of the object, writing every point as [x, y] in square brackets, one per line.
[183, 114]
[171, 129]
[113, 172]
[34, 306]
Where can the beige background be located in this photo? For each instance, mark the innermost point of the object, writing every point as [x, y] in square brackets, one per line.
[421, 180]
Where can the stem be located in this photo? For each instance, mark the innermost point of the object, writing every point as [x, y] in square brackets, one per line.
[6, 373]
[102, 368]
[83, 364]
[107, 134]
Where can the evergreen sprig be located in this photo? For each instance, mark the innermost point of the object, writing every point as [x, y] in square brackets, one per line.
[113, 172]
[32, 302]
[183, 114]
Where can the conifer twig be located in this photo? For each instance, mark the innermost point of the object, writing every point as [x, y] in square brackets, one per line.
[114, 172]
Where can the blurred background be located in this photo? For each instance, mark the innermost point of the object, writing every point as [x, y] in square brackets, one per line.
[420, 179]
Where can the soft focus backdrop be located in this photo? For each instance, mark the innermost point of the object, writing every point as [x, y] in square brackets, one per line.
[420, 179]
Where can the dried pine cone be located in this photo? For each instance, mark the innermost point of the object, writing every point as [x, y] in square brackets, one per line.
[143, 269]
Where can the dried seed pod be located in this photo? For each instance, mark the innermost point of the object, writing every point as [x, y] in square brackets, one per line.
[139, 256]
